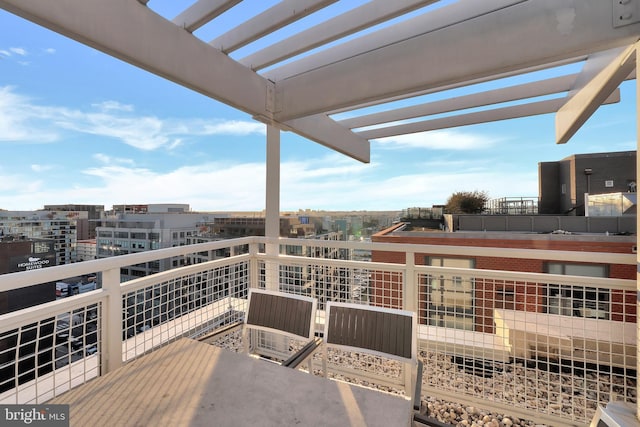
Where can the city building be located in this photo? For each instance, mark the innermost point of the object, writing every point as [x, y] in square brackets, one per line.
[151, 208]
[24, 254]
[86, 227]
[465, 303]
[59, 226]
[86, 250]
[564, 183]
[161, 227]
[233, 227]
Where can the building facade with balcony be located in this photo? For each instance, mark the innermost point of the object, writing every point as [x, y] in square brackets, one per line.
[122, 234]
[55, 225]
[86, 224]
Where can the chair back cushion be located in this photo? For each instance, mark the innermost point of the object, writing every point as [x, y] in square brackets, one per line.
[289, 313]
[379, 330]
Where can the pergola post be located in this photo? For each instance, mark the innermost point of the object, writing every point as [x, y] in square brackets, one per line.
[272, 216]
[637, 218]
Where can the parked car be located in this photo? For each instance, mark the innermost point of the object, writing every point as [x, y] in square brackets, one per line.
[64, 289]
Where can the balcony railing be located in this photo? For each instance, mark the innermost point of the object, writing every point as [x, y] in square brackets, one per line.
[539, 346]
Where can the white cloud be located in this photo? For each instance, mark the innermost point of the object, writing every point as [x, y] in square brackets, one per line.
[41, 168]
[20, 120]
[23, 120]
[13, 187]
[4, 53]
[205, 186]
[439, 140]
[18, 51]
[348, 184]
[108, 160]
[50, 51]
[325, 168]
[234, 127]
[333, 182]
[144, 133]
[112, 106]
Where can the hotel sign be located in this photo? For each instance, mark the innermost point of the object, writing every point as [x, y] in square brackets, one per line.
[33, 263]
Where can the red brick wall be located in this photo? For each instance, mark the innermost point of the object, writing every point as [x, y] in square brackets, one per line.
[487, 296]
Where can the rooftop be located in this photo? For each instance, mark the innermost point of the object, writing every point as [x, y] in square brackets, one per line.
[360, 75]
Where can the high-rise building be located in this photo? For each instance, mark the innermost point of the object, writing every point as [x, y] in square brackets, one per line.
[125, 233]
[55, 225]
[23, 254]
[86, 228]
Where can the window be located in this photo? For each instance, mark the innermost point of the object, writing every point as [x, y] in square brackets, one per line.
[450, 297]
[40, 247]
[575, 300]
[505, 297]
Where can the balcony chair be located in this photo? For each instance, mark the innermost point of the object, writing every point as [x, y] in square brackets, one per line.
[273, 320]
[380, 332]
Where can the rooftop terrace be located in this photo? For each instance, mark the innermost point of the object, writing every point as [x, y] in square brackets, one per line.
[319, 83]
[551, 368]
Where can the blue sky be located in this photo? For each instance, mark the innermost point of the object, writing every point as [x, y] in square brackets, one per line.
[77, 126]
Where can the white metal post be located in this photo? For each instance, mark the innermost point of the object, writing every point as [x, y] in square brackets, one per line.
[111, 356]
[254, 280]
[637, 217]
[410, 291]
[272, 219]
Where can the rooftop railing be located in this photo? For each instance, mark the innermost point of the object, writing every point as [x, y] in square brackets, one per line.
[539, 346]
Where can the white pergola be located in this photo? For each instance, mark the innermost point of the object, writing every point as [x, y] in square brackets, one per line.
[370, 55]
[374, 53]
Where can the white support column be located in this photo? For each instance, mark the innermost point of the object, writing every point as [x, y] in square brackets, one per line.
[272, 220]
[410, 291]
[111, 352]
[638, 217]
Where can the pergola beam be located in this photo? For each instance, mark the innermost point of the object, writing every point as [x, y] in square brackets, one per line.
[391, 35]
[602, 77]
[485, 116]
[129, 31]
[526, 34]
[480, 99]
[345, 24]
[202, 12]
[325, 131]
[274, 18]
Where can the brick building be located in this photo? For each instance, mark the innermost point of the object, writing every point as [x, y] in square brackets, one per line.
[469, 303]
